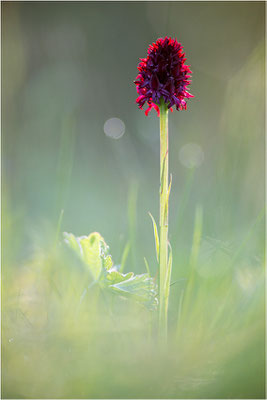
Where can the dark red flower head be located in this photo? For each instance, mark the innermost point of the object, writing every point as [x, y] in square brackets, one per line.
[163, 75]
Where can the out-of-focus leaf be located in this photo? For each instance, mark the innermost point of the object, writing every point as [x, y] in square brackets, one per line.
[125, 255]
[73, 242]
[141, 287]
[107, 261]
[113, 276]
[92, 250]
[147, 266]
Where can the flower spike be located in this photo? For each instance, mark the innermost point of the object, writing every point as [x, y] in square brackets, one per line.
[163, 75]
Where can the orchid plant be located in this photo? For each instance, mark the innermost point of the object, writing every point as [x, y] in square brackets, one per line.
[162, 83]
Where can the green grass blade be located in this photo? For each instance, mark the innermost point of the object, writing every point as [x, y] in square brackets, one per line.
[180, 309]
[147, 266]
[59, 224]
[162, 171]
[125, 255]
[168, 280]
[167, 199]
[156, 235]
[192, 264]
[196, 237]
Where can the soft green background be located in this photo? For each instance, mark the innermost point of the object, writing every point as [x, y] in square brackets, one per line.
[68, 67]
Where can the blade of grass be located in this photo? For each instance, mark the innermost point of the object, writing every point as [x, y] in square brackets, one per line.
[125, 255]
[192, 264]
[59, 224]
[180, 310]
[168, 282]
[248, 235]
[156, 235]
[147, 266]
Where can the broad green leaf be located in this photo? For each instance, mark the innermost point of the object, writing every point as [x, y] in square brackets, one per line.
[107, 262]
[92, 253]
[140, 287]
[92, 250]
[113, 277]
[73, 242]
[156, 236]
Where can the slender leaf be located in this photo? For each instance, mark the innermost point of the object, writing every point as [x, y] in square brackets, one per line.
[162, 172]
[125, 255]
[156, 236]
[168, 279]
[147, 266]
[166, 208]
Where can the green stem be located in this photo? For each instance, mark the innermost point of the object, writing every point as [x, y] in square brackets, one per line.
[164, 206]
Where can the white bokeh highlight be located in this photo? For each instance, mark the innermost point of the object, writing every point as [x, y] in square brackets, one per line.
[114, 128]
[191, 155]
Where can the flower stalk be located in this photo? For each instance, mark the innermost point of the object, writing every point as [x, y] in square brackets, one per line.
[164, 211]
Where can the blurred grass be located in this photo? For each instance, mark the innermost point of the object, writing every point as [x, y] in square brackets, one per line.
[103, 348]
[62, 79]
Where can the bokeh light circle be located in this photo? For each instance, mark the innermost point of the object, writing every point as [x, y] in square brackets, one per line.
[191, 155]
[114, 128]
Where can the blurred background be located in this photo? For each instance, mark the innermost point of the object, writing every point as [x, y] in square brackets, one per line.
[73, 139]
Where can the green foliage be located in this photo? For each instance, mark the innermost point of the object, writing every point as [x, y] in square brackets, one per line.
[96, 339]
[140, 287]
[168, 279]
[93, 251]
[89, 248]
[125, 255]
[156, 235]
